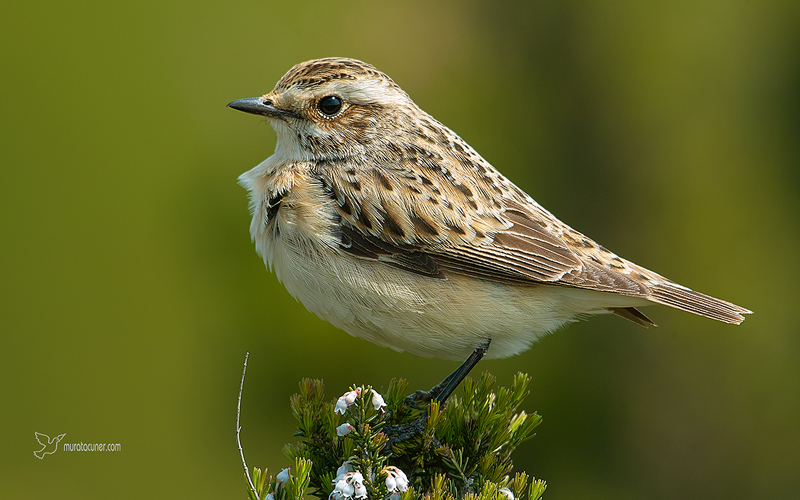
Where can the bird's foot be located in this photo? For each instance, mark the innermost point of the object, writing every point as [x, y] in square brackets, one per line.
[440, 392]
[399, 433]
[418, 399]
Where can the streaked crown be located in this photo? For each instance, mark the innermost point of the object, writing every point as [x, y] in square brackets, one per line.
[317, 72]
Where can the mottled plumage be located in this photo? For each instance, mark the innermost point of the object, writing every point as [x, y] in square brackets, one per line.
[384, 222]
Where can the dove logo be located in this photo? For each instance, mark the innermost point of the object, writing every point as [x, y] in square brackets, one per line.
[49, 445]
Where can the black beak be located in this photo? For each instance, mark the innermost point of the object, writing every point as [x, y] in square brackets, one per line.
[260, 106]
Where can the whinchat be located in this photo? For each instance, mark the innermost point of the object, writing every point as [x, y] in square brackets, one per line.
[384, 222]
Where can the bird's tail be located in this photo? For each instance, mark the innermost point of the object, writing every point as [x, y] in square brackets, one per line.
[677, 296]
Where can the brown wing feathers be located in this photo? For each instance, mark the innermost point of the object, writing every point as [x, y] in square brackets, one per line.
[438, 226]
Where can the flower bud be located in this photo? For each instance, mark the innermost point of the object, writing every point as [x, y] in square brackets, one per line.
[283, 475]
[350, 396]
[378, 402]
[344, 429]
[341, 406]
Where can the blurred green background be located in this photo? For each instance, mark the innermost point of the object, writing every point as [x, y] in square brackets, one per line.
[668, 131]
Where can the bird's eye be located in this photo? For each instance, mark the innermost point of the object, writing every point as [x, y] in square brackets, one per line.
[330, 105]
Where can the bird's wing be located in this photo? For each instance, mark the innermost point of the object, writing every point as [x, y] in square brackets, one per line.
[427, 223]
[436, 212]
[40, 436]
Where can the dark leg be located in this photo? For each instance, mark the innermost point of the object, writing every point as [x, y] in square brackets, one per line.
[440, 392]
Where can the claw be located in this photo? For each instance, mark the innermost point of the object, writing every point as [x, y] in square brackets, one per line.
[440, 392]
[413, 400]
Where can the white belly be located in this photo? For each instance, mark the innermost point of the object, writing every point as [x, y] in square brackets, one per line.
[443, 318]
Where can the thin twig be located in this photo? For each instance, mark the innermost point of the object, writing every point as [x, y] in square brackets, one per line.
[239, 430]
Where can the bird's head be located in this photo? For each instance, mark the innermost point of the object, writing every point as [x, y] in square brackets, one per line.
[332, 108]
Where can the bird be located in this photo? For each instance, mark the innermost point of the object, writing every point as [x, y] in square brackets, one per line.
[384, 222]
[46, 441]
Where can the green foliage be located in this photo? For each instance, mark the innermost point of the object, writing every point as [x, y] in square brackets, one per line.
[463, 450]
[294, 488]
[263, 483]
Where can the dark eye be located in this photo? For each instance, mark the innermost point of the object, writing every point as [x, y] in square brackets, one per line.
[330, 105]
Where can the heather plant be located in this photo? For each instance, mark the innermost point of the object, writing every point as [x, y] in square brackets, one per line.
[348, 448]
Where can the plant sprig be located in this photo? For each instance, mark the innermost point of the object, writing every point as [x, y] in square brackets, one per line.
[463, 451]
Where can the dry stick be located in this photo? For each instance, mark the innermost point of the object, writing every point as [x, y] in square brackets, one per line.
[239, 430]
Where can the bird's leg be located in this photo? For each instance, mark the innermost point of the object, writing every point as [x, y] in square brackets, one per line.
[440, 392]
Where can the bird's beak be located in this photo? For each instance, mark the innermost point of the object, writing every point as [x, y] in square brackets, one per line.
[260, 106]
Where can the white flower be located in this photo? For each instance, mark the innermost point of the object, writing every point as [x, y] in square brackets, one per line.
[396, 480]
[348, 484]
[507, 493]
[346, 400]
[391, 483]
[350, 396]
[361, 491]
[283, 475]
[341, 406]
[401, 475]
[344, 488]
[343, 470]
[378, 402]
[269, 496]
[344, 429]
[402, 482]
